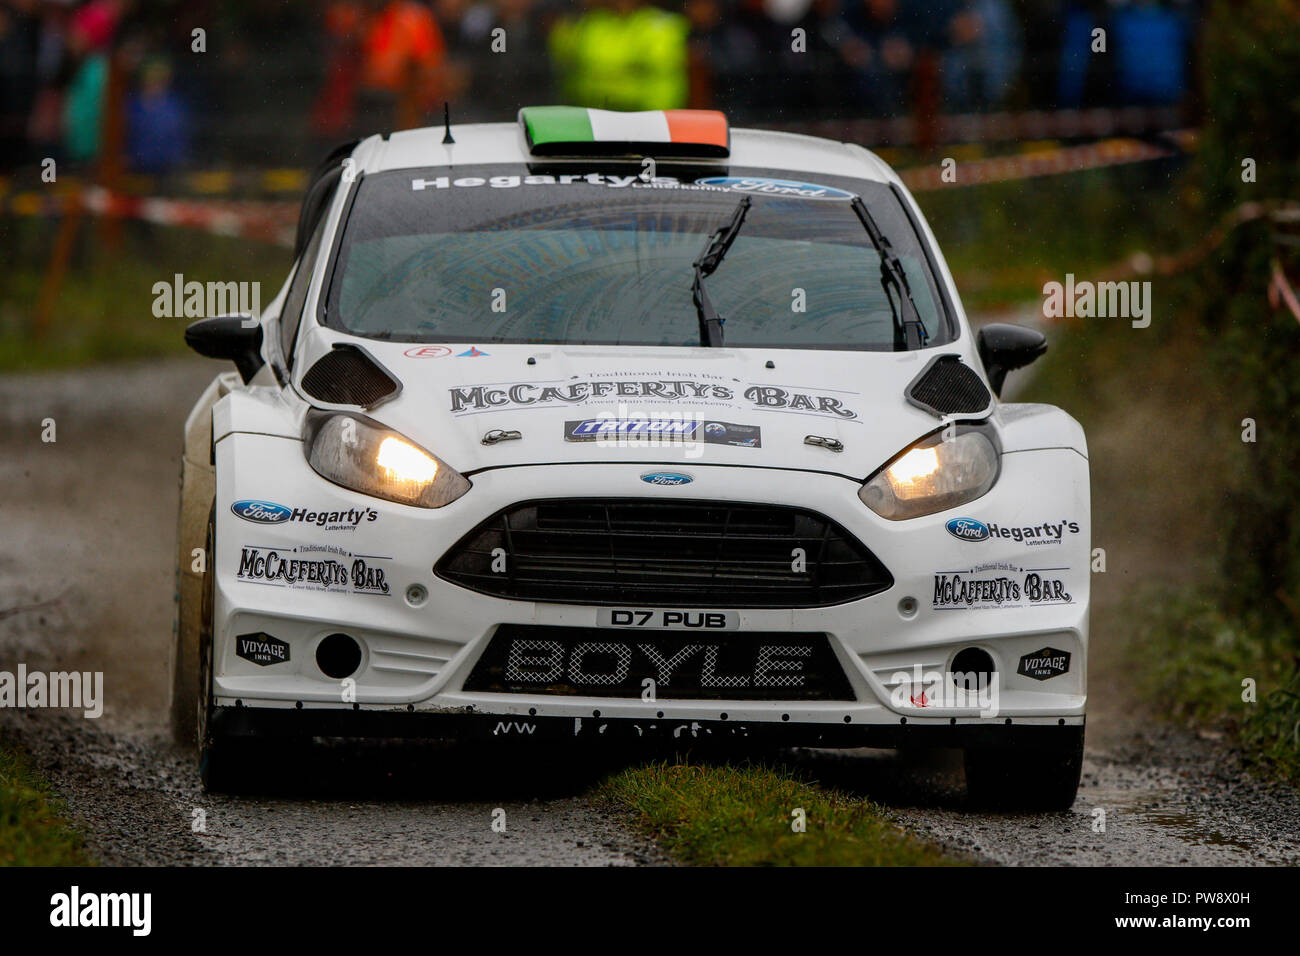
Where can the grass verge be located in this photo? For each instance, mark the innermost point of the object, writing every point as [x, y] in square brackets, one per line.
[33, 830]
[104, 310]
[1003, 241]
[705, 815]
[1164, 430]
[1239, 676]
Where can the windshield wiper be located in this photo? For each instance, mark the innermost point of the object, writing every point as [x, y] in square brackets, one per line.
[705, 265]
[909, 330]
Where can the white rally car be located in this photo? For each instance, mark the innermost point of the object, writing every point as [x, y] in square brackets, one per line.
[629, 424]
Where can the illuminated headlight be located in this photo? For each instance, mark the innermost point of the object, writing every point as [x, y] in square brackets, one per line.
[365, 456]
[933, 475]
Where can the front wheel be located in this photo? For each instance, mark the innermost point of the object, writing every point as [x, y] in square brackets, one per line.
[225, 763]
[1040, 777]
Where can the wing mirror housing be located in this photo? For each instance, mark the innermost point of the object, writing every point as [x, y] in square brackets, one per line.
[1004, 347]
[234, 337]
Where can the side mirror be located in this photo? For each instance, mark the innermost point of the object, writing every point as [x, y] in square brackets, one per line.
[227, 337]
[1005, 347]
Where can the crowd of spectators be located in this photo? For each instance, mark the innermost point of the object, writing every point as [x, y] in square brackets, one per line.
[69, 67]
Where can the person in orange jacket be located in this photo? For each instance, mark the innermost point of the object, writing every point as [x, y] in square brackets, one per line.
[403, 61]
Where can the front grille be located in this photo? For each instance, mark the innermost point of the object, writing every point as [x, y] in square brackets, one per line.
[616, 551]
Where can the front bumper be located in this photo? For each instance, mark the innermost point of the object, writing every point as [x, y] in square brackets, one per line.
[418, 655]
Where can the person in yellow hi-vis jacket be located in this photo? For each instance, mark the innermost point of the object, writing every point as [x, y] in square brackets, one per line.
[622, 55]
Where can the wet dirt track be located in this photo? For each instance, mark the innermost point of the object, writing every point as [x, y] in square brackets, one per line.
[86, 583]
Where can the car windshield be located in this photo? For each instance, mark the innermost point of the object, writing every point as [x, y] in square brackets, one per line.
[505, 254]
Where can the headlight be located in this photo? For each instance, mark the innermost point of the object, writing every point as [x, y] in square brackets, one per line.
[365, 456]
[933, 475]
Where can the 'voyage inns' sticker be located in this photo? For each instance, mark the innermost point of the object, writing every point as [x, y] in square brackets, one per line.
[1044, 664]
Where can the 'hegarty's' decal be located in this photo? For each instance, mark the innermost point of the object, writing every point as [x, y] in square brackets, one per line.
[1031, 534]
[468, 399]
[268, 512]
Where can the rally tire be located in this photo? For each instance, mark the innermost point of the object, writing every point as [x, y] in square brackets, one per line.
[231, 765]
[1041, 778]
[185, 685]
[225, 764]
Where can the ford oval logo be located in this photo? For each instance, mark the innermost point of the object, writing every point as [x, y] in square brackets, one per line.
[775, 187]
[666, 478]
[968, 529]
[263, 512]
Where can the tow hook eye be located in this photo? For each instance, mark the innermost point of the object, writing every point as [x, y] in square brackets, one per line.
[830, 444]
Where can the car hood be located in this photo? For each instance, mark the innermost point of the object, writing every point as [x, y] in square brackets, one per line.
[775, 408]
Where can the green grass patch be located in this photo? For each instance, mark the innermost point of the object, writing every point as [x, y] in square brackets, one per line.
[1196, 661]
[33, 830]
[742, 816]
[1003, 241]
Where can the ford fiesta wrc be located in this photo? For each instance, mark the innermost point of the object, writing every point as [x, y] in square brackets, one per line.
[622, 426]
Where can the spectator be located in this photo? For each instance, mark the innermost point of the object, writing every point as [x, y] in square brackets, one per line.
[1083, 78]
[385, 64]
[730, 48]
[91, 37]
[334, 110]
[402, 64]
[622, 55]
[158, 122]
[53, 66]
[497, 67]
[19, 46]
[1150, 49]
[880, 52]
[813, 76]
[984, 57]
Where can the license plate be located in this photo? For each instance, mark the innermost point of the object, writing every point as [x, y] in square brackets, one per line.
[664, 619]
[653, 664]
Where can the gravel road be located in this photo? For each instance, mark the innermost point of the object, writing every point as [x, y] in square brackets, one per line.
[86, 584]
[89, 532]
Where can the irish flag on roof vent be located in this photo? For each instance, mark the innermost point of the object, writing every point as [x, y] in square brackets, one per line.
[575, 130]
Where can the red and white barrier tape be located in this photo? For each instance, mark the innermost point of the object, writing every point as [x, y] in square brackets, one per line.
[242, 219]
[275, 220]
[1065, 159]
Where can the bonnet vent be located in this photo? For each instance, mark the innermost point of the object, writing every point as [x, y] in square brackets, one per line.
[346, 375]
[948, 386]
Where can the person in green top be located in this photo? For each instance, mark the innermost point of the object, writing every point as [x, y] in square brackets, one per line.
[621, 55]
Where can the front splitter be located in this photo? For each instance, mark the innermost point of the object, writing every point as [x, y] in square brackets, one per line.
[465, 725]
